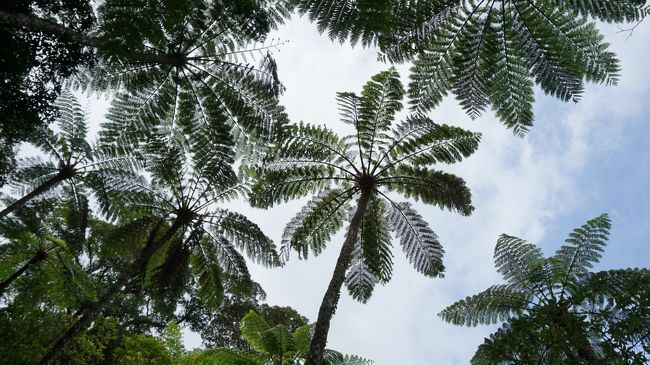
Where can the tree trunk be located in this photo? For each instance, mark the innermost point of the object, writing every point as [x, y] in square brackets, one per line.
[47, 185]
[3, 286]
[90, 312]
[331, 298]
[65, 34]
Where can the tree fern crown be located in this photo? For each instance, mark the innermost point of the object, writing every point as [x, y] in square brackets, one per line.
[375, 160]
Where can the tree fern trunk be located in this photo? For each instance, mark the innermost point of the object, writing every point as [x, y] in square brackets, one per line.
[22, 270]
[89, 313]
[331, 298]
[47, 185]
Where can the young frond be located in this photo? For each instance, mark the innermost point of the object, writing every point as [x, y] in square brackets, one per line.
[316, 222]
[419, 243]
[495, 304]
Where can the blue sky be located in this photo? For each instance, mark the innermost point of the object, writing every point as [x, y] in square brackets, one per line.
[579, 161]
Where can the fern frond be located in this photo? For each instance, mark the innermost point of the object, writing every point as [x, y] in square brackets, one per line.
[316, 222]
[245, 235]
[522, 264]
[374, 236]
[359, 278]
[583, 249]
[419, 243]
[495, 304]
[432, 187]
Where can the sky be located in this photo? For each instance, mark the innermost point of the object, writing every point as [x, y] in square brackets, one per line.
[579, 161]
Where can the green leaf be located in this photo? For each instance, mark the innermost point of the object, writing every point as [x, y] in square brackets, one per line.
[495, 304]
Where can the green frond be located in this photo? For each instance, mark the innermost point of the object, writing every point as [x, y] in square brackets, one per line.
[495, 304]
[421, 142]
[302, 336]
[604, 287]
[431, 187]
[205, 264]
[224, 356]
[169, 272]
[521, 263]
[419, 243]
[584, 247]
[252, 328]
[230, 260]
[359, 278]
[245, 235]
[72, 123]
[607, 10]
[31, 172]
[380, 99]
[308, 142]
[488, 53]
[374, 235]
[283, 185]
[316, 222]
[332, 357]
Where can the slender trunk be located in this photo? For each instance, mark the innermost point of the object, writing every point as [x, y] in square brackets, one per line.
[45, 186]
[66, 34]
[331, 298]
[90, 312]
[34, 260]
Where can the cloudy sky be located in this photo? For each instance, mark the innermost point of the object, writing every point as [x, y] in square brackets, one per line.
[579, 161]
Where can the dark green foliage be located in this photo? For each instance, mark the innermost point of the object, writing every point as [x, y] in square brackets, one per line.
[555, 310]
[274, 345]
[487, 53]
[220, 328]
[33, 65]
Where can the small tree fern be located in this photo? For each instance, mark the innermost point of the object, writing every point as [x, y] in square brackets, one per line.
[555, 310]
[350, 178]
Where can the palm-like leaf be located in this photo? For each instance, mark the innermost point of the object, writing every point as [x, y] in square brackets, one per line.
[365, 167]
[554, 309]
[486, 52]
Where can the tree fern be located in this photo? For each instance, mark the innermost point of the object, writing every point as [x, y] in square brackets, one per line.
[72, 159]
[365, 167]
[555, 310]
[485, 52]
